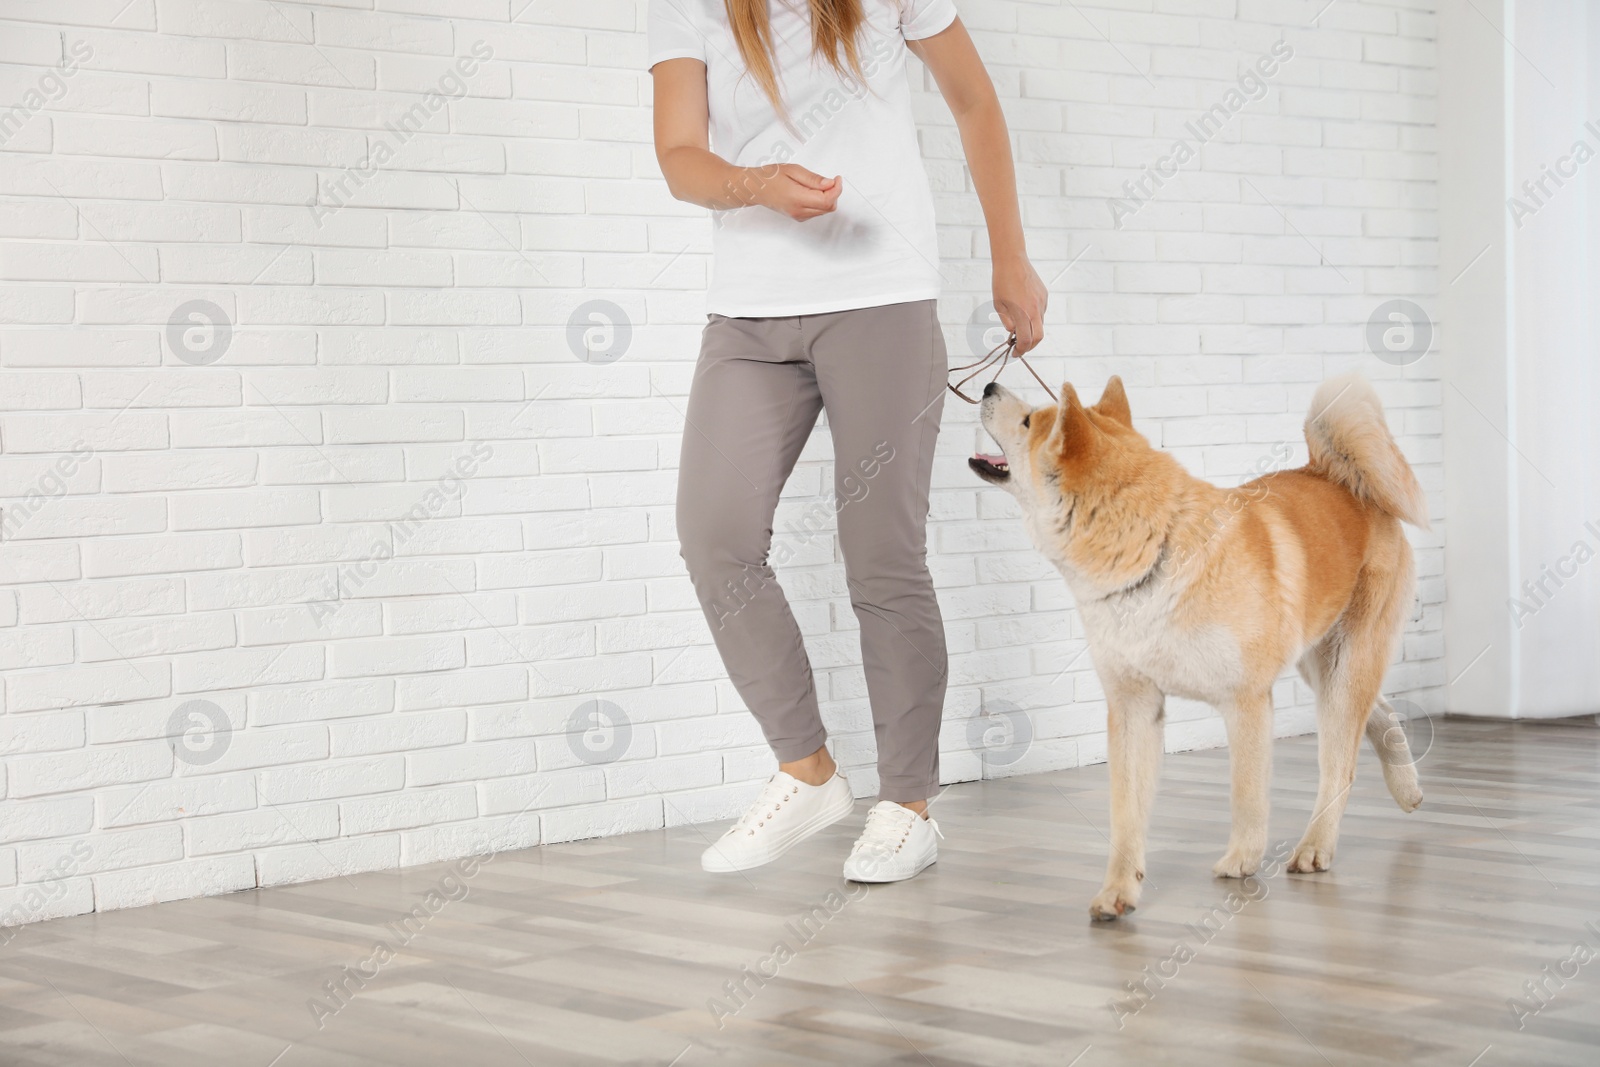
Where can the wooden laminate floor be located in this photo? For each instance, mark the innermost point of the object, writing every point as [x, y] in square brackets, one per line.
[620, 951]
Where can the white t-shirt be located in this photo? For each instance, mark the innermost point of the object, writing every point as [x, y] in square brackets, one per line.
[880, 246]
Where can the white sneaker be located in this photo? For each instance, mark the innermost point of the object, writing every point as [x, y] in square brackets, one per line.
[896, 844]
[786, 813]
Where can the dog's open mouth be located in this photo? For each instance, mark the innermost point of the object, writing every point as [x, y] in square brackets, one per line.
[991, 466]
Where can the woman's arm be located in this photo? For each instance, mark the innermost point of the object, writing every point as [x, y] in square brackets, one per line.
[698, 176]
[1020, 296]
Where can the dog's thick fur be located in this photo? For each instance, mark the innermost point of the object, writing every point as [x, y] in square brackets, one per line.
[1206, 593]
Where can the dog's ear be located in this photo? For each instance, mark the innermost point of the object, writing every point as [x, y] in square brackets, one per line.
[1073, 433]
[1114, 403]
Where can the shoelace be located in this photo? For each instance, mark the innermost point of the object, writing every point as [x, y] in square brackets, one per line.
[774, 795]
[887, 830]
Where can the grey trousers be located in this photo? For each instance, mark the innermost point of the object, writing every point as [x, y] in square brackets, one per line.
[757, 389]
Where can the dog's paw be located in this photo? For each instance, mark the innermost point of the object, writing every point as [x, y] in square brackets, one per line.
[1403, 786]
[1113, 902]
[1407, 794]
[1238, 863]
[1309, 858]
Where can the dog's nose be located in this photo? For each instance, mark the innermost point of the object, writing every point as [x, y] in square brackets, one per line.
[991, 389]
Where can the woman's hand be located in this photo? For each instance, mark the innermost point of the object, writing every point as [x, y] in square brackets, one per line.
[696, 175]
[1020, 298]
[792, 190]
[1019, 295]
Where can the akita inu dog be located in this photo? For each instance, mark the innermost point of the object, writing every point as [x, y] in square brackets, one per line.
[1205, 593]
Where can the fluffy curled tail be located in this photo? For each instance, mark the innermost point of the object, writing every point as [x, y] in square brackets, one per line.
[1351, 445]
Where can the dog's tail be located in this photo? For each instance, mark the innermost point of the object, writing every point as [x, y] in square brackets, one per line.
[1351, 445]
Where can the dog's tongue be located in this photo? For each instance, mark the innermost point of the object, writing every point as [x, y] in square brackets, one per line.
[996, 459]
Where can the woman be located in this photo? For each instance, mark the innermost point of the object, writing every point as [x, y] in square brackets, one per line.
[823, 298]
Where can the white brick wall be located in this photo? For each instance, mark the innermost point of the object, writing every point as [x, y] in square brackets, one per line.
[392, 651]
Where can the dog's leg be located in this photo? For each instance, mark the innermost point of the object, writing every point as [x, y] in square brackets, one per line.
[1352, 675]
[1353, 658]
[1339, 729]
[1134, 731]
[1249, 722]
[1388, 738]
[1394, 751]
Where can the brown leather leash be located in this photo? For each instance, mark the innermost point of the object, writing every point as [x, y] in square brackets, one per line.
[1000, 354]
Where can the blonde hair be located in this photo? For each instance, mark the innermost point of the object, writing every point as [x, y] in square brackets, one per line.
[834, 28]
